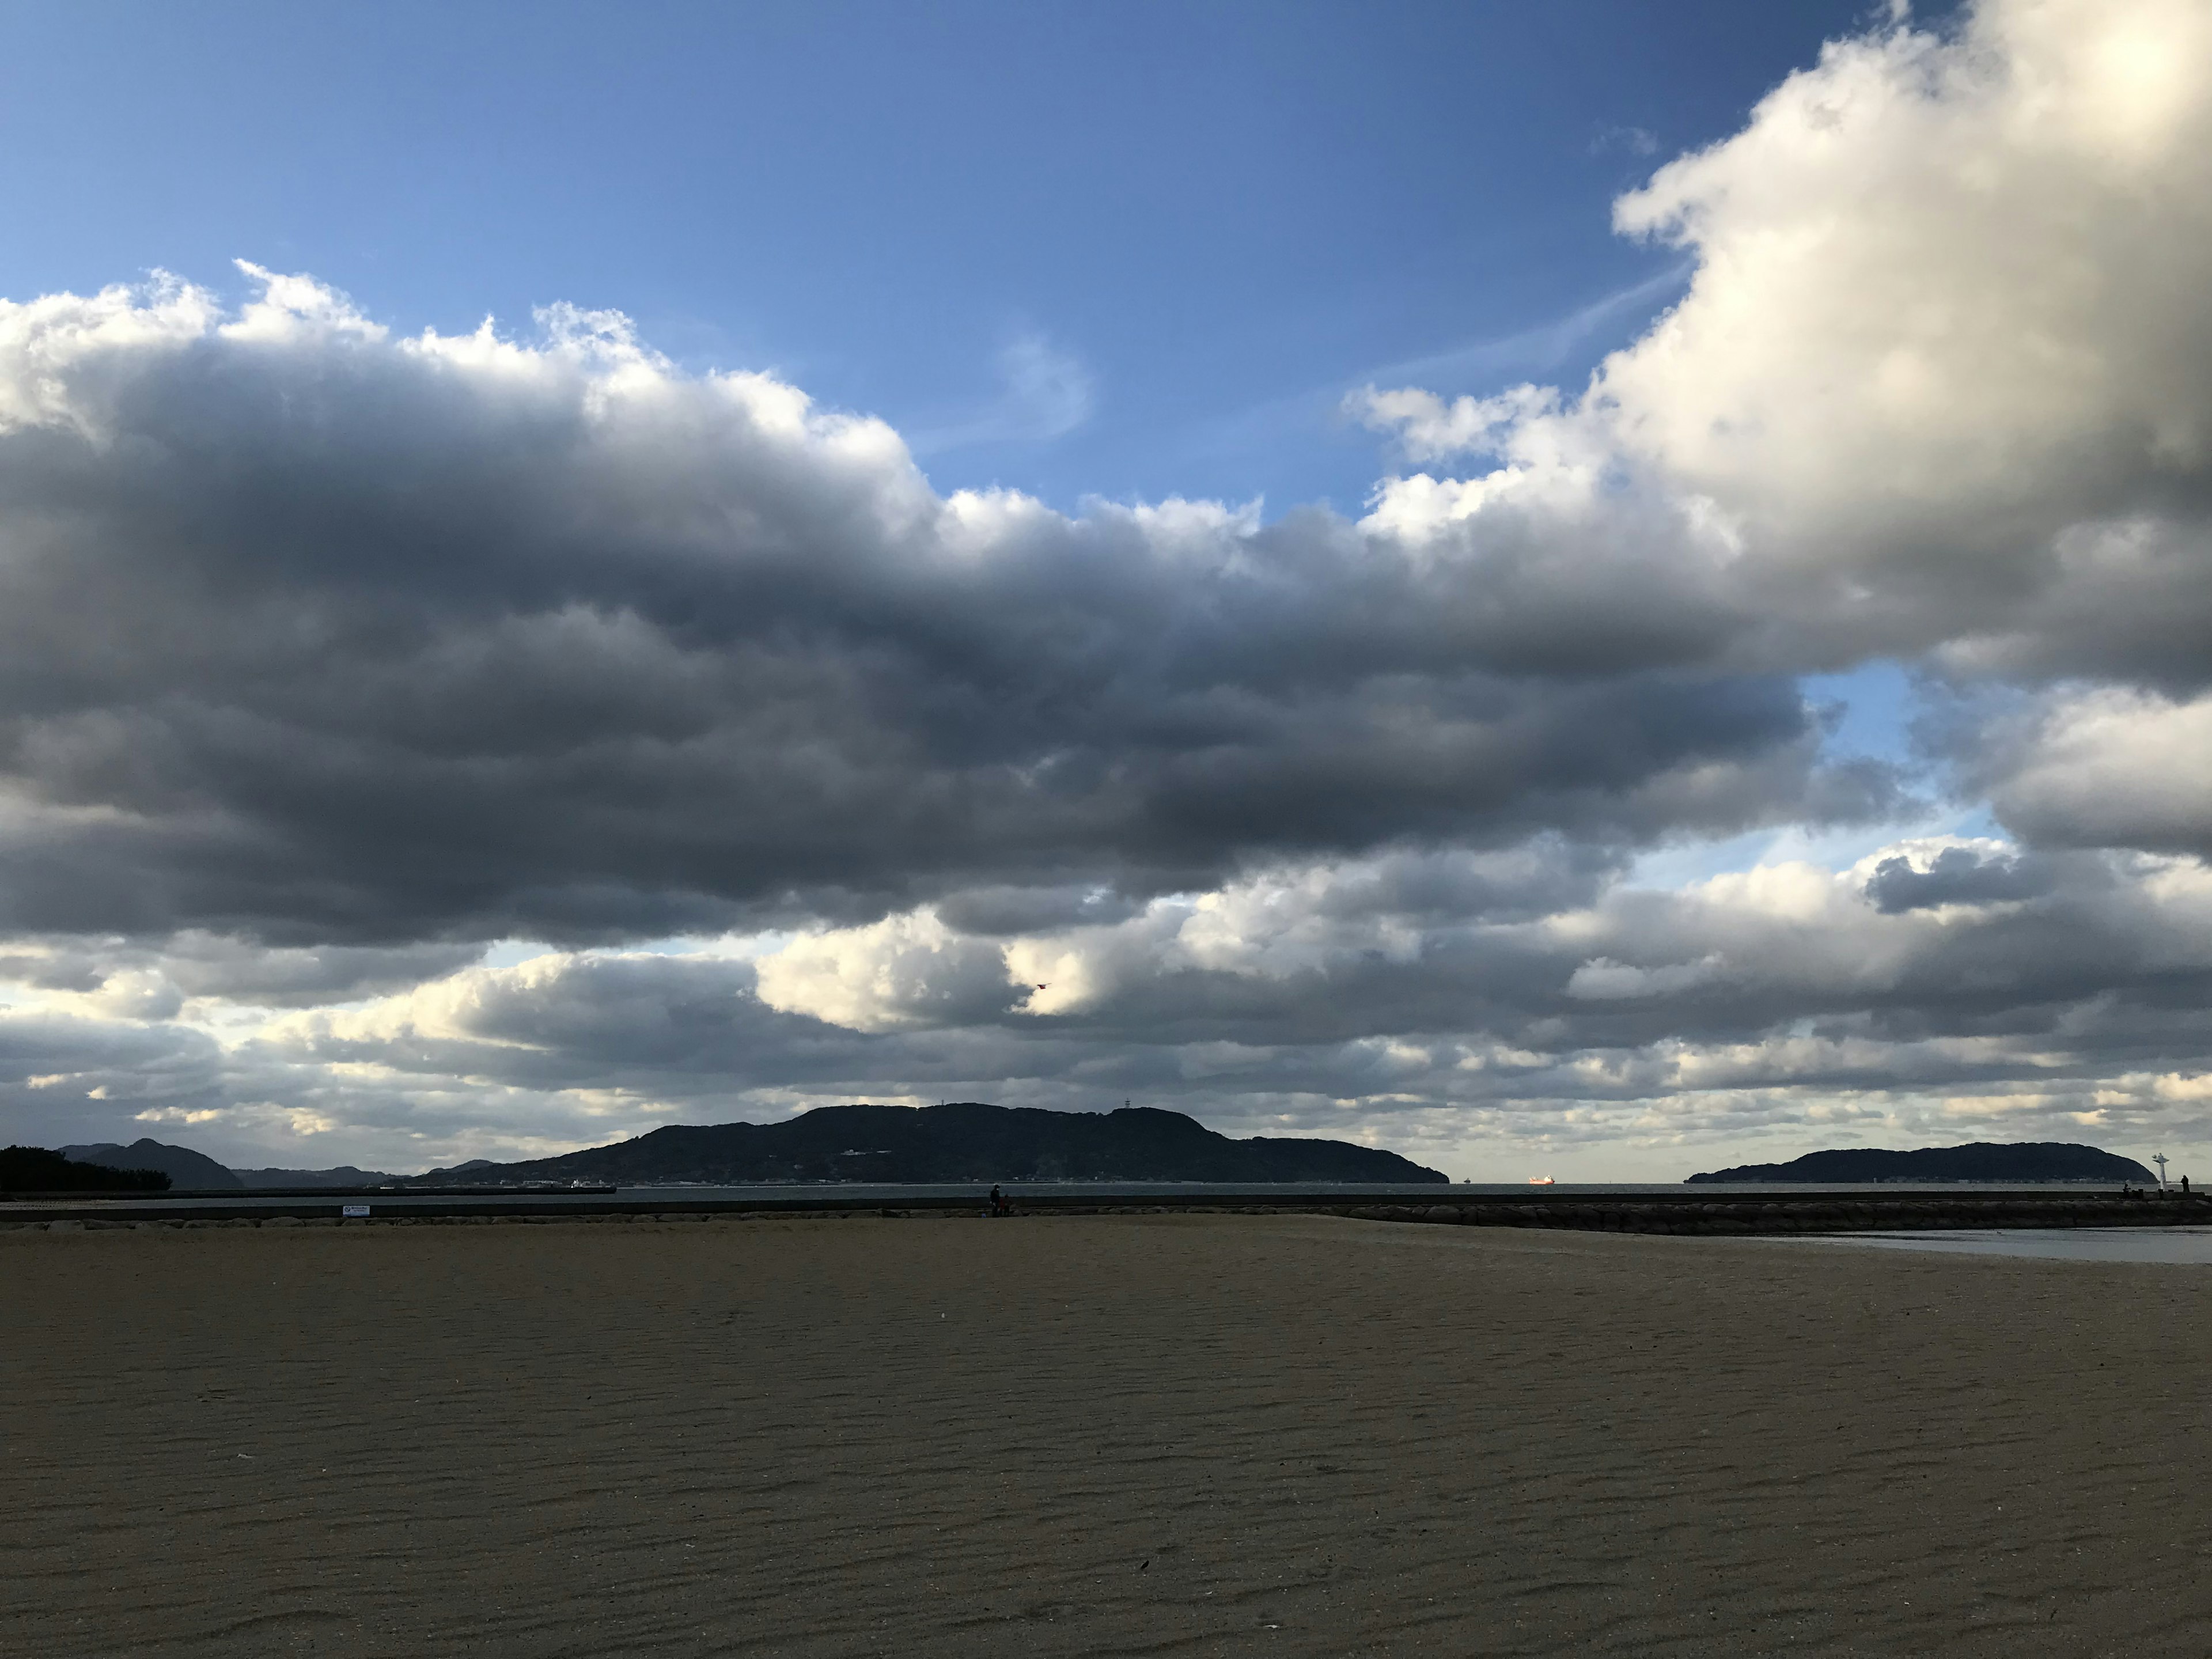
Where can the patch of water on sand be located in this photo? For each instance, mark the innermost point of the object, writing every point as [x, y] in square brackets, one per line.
[2182, 1244]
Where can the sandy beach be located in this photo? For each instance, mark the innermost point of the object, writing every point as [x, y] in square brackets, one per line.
[1115, 1435]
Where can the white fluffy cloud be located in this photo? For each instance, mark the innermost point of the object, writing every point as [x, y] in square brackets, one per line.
[1943, 370]
[2108, 766]
[330, 656]
[1937, 986]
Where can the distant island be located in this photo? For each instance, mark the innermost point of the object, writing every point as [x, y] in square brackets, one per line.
[188, 1170]
[965, 1141]
[2026, 1161]
[196, 1172]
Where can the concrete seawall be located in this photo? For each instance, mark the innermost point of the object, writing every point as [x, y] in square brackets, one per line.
[1694, 1211]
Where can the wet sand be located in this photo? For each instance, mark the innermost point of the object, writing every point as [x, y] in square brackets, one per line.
[2191, 1245]
[1135, 1434]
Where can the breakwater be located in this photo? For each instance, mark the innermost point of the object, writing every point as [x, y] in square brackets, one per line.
[1696, 1211]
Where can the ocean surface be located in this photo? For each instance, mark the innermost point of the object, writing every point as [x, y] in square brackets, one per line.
[2190, 1245]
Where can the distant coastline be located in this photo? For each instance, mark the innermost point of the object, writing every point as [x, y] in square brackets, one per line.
[962, 1141]
[1981, 1160]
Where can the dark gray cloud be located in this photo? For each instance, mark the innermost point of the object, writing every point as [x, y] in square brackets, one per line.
[68, 1079]
[1959, 875]
[309, 635]
[229, 969]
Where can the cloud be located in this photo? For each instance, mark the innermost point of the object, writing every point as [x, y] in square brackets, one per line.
[1449, 1000]
[1940, 379]
[2102, 767]
[315, 634]
[1542, 348]
[331, 655]
[1944, 285]
[1636, 141]
[72, 1078]
[1428, 429]
[1956, 875]
[898, 971]
[1045, 392]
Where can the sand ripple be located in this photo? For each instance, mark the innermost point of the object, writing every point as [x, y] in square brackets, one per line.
[1110, 1436]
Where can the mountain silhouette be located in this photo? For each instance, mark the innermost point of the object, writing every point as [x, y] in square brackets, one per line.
[1980, 1160]
[965, 1141]
[188, 1170]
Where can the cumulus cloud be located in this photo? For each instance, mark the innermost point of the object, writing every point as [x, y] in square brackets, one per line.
[1535, 1002]
[2106, 766]
[312, 633]
[1942, 373]
[899, 971]
[1956, 875]
[1943, 281]
[329, 655]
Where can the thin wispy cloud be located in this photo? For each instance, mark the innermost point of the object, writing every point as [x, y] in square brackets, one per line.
[1635, 141]
[1543, 347]
[1538, 350]
[1045, 392]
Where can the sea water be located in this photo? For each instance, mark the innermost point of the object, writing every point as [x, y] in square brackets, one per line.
[2190, 1245]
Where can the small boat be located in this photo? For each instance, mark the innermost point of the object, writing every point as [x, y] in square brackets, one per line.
[1541, 1181]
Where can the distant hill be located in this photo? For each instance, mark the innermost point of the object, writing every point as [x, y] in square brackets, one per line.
[967, 1141]
[192, 1171]
[188, 1170]
[2015, 1161]
[35, 1170]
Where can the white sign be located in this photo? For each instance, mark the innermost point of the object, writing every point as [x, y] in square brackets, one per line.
[356, 1209]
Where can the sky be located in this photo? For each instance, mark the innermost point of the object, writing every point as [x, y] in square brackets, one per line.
[1596, 591]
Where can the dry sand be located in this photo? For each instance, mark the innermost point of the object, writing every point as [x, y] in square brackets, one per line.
[1211, 1435]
